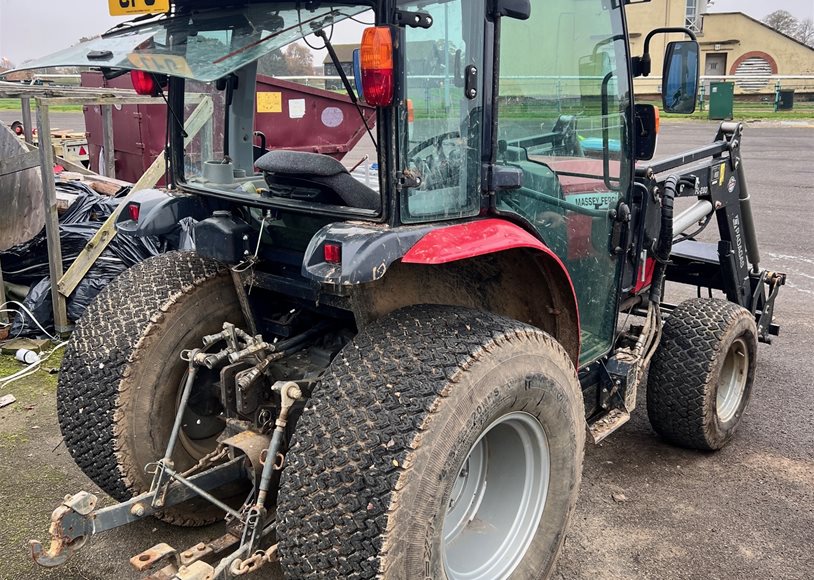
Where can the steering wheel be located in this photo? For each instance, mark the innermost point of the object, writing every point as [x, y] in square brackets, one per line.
[436, 140]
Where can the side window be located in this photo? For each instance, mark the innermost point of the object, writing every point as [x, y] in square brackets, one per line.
[442, 123]
[562, 120]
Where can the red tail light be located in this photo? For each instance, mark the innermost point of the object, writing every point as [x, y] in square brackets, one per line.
[144, 83]
[133, 210]
[332, 253]
[82, 151]
[376, 55]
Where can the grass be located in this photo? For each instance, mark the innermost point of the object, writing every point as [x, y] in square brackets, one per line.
[14, 105]
[753, 111]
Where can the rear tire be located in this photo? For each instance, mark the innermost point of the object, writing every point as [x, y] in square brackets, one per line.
[701, 377]
[121, 375]
[382, 478]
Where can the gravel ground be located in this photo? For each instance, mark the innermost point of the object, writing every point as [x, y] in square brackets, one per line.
[744, 512]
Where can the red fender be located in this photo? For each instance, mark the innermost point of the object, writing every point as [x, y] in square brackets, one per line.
[482, 237]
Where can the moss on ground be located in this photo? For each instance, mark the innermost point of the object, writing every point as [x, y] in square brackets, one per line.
[28, 433]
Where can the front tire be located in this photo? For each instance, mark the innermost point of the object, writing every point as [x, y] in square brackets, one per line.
[442, 442]
[122, 374]
[701, 377]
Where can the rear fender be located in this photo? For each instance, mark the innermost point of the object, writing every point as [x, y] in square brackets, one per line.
[158, 212]
[489, 264]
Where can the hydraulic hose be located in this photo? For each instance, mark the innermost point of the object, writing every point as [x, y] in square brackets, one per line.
[664, 246]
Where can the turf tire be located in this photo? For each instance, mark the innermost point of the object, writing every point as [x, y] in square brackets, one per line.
[121, 373]
[683, 381]
[382, 440]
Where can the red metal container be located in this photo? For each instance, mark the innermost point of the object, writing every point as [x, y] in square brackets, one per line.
[290, 115]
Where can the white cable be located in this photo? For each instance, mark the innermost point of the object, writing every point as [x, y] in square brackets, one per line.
[30, 369]
[31, 316]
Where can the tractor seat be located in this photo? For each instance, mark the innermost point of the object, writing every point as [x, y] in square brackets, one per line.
[315, 177]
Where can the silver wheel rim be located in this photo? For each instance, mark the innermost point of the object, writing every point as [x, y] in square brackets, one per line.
[732, 382]
[497, 500]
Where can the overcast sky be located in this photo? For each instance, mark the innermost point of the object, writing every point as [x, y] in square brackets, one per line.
[34, 28]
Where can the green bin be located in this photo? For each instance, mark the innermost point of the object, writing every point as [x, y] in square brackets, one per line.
[785, 100]
[721, 101]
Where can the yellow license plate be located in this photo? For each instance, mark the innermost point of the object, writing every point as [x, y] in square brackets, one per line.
[128, 7]
[168, 64]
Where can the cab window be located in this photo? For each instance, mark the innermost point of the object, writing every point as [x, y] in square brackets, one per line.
[443, 123]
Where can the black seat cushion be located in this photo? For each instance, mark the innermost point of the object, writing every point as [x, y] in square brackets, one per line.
[291, 169]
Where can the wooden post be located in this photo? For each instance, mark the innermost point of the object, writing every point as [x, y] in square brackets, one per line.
[107, 141]
[25, 104]
[51, 219]
[207, 143]
[3, 315]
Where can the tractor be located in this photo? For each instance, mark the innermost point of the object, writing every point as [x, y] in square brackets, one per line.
[396, 378]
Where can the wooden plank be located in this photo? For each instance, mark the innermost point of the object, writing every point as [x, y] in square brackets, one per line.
[51, 217]
[108, 189]
[64, 201]
[3, 315]
[19, 163]
[107, 232]
[25, 105]
[108, 149]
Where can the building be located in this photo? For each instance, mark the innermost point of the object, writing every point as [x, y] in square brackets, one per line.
[732, 44]
[344, 53]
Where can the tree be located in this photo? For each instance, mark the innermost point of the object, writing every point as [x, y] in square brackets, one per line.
[782, 21]
[805, 32]
[273, 64]
[785, 22]
[299, 59]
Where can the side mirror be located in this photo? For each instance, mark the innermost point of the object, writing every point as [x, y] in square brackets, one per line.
[680, 77]
[645, 131]
[519, 9]
[357, 73]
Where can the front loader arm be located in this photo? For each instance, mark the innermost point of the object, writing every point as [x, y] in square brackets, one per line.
[714, 175]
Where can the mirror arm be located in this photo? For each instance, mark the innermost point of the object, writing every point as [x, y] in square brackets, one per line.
[642, 65]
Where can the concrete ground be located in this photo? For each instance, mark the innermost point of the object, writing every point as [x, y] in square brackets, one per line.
[744, 512]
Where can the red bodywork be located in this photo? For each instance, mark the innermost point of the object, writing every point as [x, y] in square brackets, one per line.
[479, 238]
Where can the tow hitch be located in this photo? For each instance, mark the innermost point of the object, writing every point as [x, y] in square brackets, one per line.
[243, 455]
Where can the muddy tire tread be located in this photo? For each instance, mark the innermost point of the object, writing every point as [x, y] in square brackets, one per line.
[680, 374]
[357, 434]
[97, 360]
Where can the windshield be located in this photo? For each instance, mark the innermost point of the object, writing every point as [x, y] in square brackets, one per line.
[203, 46]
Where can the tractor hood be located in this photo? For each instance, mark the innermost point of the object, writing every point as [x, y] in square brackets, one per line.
[204, 45]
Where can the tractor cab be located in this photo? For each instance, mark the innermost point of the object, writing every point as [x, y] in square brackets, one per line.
[522, 110]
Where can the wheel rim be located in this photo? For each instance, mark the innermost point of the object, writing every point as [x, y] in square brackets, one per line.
[203, 418]
[497, 500]
[732, 382]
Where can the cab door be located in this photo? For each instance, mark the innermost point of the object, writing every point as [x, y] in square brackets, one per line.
[563, 119]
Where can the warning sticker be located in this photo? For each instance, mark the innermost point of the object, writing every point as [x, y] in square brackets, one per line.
[296, 108]
[269, 102]
[732, 183]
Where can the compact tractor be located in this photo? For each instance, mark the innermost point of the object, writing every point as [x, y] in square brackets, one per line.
[396, 377]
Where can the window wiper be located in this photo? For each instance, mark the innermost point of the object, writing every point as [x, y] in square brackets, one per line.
[135, 23]
[348, 88]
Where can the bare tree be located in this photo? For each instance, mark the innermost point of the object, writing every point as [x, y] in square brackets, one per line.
[785, 22]
[805, 32]
[782, 21]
